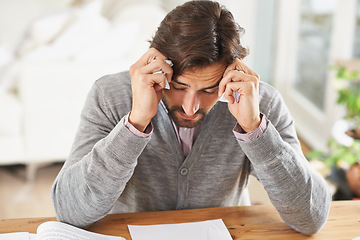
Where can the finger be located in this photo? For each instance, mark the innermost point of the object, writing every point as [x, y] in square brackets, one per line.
[166, 69]
[159, 67]
[145, 59]
[243, 88]
[154, 54]
[230, 89]
[151, 55]
[238, 76]
[241, 66]
[164, 65]
[222, 85]
[232, 76]
[157, 81]
[235, 66]
[231, 67]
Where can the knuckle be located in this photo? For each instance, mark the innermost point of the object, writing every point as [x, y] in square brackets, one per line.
[142, 78]
[162, 78]
[222, 83]
[136, 74]
[253, 86]
[153, 50]
[156, 53]
[132, 69]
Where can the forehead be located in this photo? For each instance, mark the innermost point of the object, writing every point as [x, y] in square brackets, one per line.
[204, 76]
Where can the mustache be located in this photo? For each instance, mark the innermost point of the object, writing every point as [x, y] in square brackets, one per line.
[176, 108]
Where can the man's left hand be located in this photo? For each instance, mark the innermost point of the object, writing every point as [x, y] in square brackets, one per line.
[239, 77]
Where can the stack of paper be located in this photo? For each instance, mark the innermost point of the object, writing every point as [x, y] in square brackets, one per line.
[206, 230]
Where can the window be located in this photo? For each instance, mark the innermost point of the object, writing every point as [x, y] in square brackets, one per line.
[312, 35]
[356, 47]
[315, 28]
[264, 46]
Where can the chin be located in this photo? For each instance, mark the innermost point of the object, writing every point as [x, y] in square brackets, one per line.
[187, 123]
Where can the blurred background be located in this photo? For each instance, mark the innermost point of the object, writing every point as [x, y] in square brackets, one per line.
[51, 52]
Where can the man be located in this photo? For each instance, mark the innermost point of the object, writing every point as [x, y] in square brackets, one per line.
[141, 147]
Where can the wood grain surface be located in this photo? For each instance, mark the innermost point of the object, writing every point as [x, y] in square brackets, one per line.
[252, 222]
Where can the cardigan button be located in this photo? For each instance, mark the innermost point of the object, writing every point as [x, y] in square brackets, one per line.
[184, 171]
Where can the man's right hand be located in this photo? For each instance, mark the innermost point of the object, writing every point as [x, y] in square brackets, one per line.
[147, 87]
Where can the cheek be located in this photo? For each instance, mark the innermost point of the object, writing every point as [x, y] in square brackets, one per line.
[208, 101]
[173, 97]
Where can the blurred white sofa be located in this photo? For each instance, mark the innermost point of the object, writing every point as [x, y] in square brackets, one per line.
[44, 86]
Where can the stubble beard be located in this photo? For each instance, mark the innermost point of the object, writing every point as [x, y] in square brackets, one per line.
[174, 112]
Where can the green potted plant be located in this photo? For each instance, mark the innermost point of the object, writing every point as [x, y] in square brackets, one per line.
[337, 155]
[342, 157]
[347, 84]
[343, 163]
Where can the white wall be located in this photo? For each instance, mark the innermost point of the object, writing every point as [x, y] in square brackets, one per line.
[16, 15]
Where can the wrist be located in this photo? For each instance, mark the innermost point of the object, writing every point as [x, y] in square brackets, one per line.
[140, 123]
[255, 123]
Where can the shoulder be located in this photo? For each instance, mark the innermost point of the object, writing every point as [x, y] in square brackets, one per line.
[114, 87]
[267, 92]
[269, 96]
[112, 93]
[271, 101]
[115, 82]
[274, 107]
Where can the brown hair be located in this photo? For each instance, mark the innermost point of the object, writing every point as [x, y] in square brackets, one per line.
[197, 34]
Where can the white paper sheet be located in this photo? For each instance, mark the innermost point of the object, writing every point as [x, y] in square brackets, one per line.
[236, 95]
[206, 230]
[17, 236]
[167, 85]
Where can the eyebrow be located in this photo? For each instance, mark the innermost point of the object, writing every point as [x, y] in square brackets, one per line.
[206, 88]
[184, 84]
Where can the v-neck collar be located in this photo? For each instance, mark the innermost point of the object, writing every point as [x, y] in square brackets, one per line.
[213, 118]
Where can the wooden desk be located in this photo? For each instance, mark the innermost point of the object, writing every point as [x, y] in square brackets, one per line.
[254, 222]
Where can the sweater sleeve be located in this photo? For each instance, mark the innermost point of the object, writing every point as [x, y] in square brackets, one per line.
[300, 195]
[102, 160]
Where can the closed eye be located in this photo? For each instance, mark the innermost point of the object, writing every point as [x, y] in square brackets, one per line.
[209, 92]
[179, 89]
[178, 86]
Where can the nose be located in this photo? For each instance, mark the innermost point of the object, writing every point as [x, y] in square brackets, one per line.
[191, 104]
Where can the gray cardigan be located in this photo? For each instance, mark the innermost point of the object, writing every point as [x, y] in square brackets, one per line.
[110, 169]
